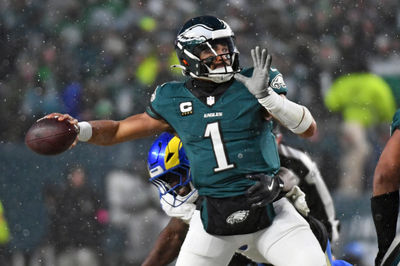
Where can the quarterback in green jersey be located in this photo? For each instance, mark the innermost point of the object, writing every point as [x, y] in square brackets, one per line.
[220, 154]
[221, 115]
[385, 199]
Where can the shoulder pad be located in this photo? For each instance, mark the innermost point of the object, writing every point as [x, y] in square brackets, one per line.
[248, 71]
[276, 79]
[164, 88]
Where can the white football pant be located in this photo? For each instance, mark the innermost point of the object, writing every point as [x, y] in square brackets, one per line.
[288, 241]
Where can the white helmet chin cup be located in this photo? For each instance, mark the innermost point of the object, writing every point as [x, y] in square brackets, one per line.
[219, 78]
[176, 200]
[189, 198]
[219, 75]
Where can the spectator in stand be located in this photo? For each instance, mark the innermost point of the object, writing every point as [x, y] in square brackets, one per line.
[78, 222]
[4, 238]
[133, 215]
[364, 100]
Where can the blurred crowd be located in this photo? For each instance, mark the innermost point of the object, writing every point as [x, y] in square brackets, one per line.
[103, 58]
[100, 59]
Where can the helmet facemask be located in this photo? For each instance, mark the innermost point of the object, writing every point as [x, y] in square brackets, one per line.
[169, 170]
[171, 183]
[206, 37]
[224, 71]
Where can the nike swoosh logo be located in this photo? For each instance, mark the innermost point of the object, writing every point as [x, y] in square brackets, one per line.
[271, 185]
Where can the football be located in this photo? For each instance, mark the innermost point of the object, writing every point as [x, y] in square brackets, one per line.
[48, 136]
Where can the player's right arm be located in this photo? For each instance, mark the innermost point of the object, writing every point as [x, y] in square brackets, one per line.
[168, 244]
[109, 132]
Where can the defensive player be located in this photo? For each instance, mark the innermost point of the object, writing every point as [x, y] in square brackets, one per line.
[385, 200]
[310, 181]
[218, 114]
[170, 171]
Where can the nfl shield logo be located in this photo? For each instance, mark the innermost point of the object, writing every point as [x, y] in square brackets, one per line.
[210, 100]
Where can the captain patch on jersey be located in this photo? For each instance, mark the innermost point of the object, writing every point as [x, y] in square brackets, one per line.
[186, 108]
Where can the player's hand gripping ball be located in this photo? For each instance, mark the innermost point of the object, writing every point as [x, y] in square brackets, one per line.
[48, 136]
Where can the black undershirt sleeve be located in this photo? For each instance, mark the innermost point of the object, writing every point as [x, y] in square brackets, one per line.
[385, 209]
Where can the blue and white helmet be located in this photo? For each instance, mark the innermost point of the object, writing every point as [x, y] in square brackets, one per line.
[201, 33]
[169, 170]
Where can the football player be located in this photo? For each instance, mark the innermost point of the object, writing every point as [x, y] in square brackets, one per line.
[310, 181]
[169, 171]
[218, 113]
[385, 199]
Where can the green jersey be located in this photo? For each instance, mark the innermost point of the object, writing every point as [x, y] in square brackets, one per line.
[224, 139]
[396, 122]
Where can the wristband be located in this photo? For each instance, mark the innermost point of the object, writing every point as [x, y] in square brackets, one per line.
[85, 131]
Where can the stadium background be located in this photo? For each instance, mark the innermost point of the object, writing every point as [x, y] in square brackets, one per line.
[100, 59]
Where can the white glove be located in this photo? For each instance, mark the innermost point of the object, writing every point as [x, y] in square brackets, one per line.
[258, 83]
[183, 211]
[297, 197]
[295, 117]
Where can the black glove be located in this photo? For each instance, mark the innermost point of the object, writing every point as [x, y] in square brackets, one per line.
[264, 191]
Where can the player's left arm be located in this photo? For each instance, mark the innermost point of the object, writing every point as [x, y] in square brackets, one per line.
[293, 116]
[110, 132]
[168, 244]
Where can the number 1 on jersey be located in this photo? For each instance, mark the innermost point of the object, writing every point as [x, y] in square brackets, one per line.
[212, 131]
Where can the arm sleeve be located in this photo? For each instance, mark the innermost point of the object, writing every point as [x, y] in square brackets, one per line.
[396, 122]
[156, 97]
[151, 112]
